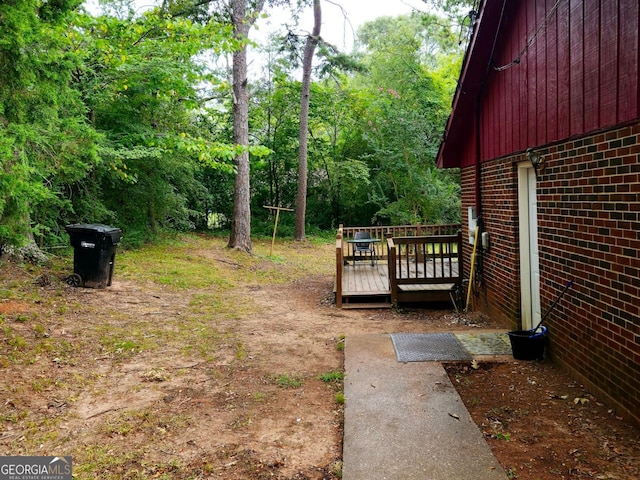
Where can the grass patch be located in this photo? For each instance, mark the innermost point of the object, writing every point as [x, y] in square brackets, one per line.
[221, 305]
[332, 377]
[120, 347]
[118, 463]
[335, 379]
[259, 397]
[199, 261]
[286, 380]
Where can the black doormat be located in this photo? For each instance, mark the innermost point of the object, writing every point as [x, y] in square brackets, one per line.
[425, 347]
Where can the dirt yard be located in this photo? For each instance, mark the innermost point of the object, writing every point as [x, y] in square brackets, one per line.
[200, 362]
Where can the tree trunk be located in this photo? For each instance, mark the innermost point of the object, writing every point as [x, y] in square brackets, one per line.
[29, 252]
[242, 20]
[309, 48]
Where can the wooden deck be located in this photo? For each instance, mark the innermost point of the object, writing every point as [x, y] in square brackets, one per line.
[407, 269]
[365, 286]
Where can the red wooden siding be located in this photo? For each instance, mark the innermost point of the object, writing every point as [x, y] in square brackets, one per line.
[578, 75]
[629, 54]
[550, 35]
[609, 60]
[576, 60]
[564, 69]
[591, 48]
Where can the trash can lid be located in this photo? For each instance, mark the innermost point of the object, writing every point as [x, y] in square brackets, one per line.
[94, 229]
[91, 228]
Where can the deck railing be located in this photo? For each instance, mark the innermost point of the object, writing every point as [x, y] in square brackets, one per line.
[384, 232]
[422, 261]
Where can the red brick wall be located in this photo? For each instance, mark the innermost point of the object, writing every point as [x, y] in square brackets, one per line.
[589, 231]
[499, 295]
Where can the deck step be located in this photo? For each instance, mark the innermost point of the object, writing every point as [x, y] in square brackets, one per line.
[346, 306]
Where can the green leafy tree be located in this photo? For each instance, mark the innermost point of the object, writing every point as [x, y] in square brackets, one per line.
[453, 7]
[46, 142]
[241, 16]
[142, 86]
[409, 102]
[340, 177]
[334, 139]
[274, 119]
[364, 136]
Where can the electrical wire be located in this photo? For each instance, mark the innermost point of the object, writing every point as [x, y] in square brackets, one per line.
[531, 40]
[495, 40]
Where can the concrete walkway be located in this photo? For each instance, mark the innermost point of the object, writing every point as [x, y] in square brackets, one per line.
[405, 421]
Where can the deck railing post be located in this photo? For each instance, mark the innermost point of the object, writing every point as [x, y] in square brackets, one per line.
[339, 267]
[391, 260]
[460, 265]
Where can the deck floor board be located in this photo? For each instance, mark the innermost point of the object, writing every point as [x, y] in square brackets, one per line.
[362, 279]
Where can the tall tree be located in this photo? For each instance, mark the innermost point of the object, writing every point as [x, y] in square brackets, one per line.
[242, 18]
[242, 14]
[307, 62]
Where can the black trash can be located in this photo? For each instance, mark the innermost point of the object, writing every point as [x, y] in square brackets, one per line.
[94, 253]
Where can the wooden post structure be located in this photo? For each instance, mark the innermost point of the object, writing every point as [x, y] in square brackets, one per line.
[275, 226]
